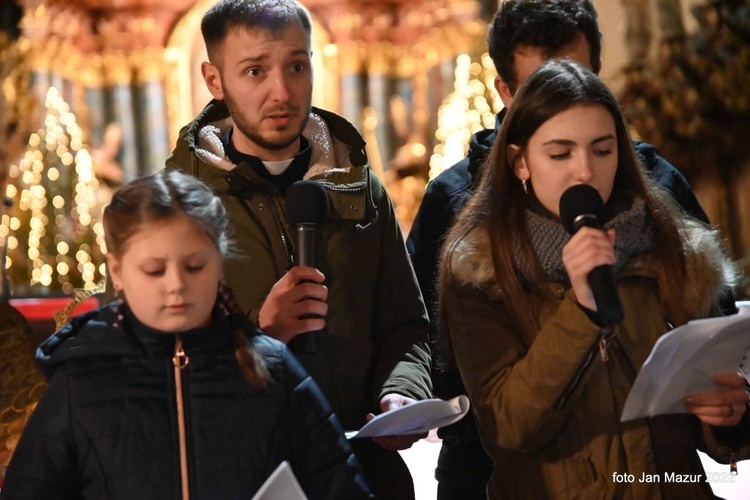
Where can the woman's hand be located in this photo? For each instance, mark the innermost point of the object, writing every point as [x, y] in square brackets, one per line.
[723, 407]
[587, 249]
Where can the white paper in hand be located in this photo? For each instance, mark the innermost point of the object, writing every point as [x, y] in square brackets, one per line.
[415, 418]
[281, 485]
[684, 360]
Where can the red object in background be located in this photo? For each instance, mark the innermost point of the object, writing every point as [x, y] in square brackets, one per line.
[44, 309]
[40, 313]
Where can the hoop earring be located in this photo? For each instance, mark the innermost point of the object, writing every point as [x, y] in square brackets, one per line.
[525, 187]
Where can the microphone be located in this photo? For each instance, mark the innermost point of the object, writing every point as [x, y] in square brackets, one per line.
[306, 211]
[581, 206]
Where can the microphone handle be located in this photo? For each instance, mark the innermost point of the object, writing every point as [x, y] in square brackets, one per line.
[306, 247]
[608, 305]
[602, 281]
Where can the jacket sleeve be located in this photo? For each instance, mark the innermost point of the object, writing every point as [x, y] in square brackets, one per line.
[516, 386]
[725, 444]
[44, 462]
[668, 177]
[430, 226]
[322, 461]
[402, 353]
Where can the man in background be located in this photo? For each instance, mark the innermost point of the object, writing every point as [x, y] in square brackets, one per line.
[357, 322]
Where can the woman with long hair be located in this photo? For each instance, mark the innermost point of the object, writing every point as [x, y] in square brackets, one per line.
[546, 374]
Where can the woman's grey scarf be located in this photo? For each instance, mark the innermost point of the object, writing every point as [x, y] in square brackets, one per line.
[633, 236]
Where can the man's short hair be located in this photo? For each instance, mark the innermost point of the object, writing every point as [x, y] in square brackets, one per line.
[547, 25]
[271, 15]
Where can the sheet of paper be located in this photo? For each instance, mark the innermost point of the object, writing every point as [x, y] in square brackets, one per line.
[415, 418]
[281, 485]
[684, 360]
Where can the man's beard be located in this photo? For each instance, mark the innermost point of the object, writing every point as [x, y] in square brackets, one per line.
[252, 133]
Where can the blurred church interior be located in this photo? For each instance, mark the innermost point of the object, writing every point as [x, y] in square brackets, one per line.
[94, 93]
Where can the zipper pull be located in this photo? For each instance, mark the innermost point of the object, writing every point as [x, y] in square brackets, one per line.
[180, 359]
[732, 464]
[607, 334]
[603, 350]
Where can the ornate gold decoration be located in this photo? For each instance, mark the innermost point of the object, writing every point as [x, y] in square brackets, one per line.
[691, 98]
[345, 26]
[149, 65]
[369, 126]
[118, 68]
[669, 15]
[40, 55]
[21, 381]
[79, 295]
[380, 59]
[405, 62]
[91, 73]
[637, 30]
[351, 57]
[17, 103]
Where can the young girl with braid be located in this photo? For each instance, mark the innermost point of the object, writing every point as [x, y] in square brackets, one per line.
[171, 392]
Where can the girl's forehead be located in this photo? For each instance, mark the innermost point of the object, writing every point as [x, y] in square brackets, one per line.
[171, 232]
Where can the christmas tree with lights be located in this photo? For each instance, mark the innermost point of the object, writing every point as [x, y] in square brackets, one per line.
[53, 232]
[470, 108]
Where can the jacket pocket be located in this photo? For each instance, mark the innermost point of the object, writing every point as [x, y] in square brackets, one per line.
[570, 477]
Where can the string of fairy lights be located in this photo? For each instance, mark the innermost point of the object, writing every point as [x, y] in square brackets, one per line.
[54, 236]
[470, 108]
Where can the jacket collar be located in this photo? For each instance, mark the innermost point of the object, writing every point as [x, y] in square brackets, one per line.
[711, 272]
[338, 160]
[480, 145]
[336, 144]
[112, 330]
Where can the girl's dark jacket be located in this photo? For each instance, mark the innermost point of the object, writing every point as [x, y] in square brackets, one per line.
[107, 428]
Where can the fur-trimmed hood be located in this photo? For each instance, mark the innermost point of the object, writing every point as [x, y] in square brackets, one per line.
[710, 272]
[336, 144]
[338, 159]
[328, 155]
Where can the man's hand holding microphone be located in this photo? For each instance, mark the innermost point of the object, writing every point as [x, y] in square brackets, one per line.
[296, 303]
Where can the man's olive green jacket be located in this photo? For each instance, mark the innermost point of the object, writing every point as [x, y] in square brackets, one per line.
[375, 339]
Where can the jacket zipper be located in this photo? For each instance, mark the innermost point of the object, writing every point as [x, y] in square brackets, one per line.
[180, 361]
[606, 335]
[282, 231]
[275, 214]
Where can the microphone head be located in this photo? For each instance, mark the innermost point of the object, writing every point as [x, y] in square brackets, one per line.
[306, 203]
[581, 200]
